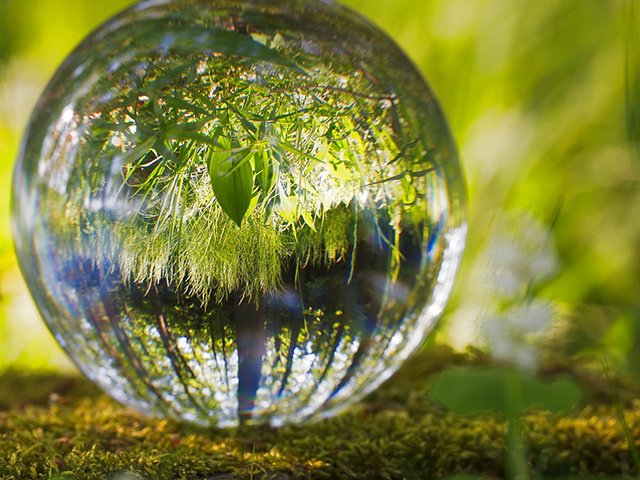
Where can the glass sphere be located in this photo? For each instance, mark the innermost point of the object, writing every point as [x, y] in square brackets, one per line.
[238, 211]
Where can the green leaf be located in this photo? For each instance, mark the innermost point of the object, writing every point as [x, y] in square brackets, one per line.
[308, 219]
[476, 390]
[175, 130]
[291, 149]
[266, 170]
[180, 104]
[231, 179]
[138, 152]
[288, 207]
[200, 40]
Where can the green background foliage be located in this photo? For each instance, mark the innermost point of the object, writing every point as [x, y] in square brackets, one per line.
[542, 97]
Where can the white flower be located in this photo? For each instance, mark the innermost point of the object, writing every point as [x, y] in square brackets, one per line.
[532, 319]
[520, 254]
[512, 337]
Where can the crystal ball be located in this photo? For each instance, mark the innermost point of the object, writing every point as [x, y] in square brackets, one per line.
[238, 212]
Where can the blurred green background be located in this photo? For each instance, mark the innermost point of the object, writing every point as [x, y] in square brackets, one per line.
[543, 99]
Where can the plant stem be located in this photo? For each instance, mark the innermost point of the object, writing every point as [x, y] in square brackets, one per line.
[516, 464]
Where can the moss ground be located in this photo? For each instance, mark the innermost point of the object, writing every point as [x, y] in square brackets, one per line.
[56, 427]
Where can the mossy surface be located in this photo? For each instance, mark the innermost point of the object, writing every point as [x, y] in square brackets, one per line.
[60, 427]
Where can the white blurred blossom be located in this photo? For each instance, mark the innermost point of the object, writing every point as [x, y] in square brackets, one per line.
[533, 319]
[520, 254]
[499, 306]
[514, 335]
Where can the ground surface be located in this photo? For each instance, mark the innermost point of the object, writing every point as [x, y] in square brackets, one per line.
[61, 427]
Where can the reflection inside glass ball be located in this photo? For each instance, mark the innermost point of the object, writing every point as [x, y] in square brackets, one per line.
[235, 212]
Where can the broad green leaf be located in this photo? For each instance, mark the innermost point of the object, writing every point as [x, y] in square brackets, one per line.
[504, 390]
[232, 180]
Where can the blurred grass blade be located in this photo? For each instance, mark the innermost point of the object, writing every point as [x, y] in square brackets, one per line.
[632, 76]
